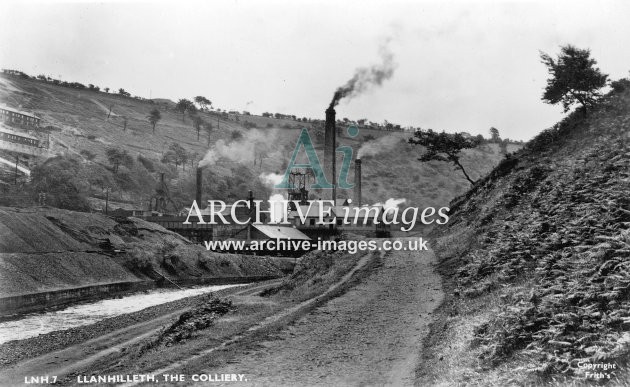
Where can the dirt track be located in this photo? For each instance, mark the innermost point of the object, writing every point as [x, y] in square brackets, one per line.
[81, 355]
[371, 335]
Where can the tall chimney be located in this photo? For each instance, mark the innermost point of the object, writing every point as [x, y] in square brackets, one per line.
[330, 145]
[357, 183]
[198, 195]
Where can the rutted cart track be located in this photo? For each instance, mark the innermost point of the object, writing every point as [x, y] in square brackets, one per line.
[81, 355]
[371, 334]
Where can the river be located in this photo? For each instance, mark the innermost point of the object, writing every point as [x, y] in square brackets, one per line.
[74, 316]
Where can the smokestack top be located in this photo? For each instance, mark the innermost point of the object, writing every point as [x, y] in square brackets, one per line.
[358, 161]
[330, 146]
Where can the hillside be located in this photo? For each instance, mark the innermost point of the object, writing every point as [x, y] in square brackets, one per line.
[80, 132]
[538, 254]
[45, 249]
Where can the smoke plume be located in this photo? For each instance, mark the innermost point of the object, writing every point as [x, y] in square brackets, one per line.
[364, 77]
[244, 150]
[376, 146]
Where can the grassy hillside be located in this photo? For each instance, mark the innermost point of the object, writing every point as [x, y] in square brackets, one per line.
[538, 254]
[81, 132]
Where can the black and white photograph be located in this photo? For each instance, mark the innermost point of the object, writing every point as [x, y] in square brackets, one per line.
[315, 193]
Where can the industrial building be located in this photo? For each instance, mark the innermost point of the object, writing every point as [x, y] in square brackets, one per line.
[280, 236]
[17, 117]
[21, 142]
[343, 218]
[364, 220]
[9, 135]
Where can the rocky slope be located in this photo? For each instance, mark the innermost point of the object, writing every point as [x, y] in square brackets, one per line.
[44, 249]
[542, 247]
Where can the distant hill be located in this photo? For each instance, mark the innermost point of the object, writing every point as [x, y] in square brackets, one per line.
[83, 124]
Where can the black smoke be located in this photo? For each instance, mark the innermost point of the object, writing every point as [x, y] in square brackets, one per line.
[364, 77]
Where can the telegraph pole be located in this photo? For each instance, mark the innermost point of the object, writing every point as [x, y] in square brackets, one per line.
[17, 160]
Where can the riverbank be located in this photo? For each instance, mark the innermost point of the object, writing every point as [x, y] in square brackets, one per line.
[14, 308]
[35, 324]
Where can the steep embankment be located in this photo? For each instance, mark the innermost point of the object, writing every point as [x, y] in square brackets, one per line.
[45, 249]
[538, 256]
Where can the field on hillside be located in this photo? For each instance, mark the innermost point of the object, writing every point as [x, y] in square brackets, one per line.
[80, 130]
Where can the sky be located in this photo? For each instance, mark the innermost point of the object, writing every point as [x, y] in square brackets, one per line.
[459, 65]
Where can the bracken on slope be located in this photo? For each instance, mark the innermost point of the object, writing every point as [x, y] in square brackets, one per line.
[549, 232]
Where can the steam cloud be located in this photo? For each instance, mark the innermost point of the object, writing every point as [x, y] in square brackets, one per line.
[243, 150]
[379, 145]
[391, 203]
[364, 77]
[276, 207]
[271, 179]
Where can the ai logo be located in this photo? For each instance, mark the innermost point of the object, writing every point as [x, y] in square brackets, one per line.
[321, 180]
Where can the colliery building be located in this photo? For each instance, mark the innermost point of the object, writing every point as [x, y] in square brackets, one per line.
[305, 224]
[14, 137]
[17, 117]
[20, 142]
[199, 232]
[365, 220]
